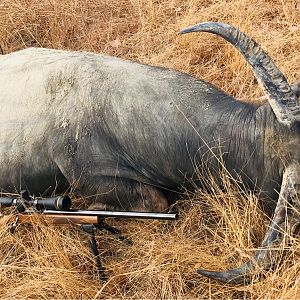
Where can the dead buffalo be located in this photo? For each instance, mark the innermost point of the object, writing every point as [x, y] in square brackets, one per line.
[127, 133]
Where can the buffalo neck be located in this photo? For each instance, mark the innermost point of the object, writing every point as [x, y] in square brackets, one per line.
[240, 131]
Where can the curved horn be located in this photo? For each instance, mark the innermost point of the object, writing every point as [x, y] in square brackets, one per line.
[274, 83]
[285, 220]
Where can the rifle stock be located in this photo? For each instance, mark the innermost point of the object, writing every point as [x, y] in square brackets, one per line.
[48, 219]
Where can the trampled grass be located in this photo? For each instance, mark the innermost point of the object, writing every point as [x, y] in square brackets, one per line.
[215, 231]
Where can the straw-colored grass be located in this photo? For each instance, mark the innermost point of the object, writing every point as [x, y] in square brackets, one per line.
[215, 231]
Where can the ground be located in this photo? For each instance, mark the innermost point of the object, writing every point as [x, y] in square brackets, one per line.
[214, 231]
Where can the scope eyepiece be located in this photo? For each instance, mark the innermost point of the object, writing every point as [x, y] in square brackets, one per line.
[19, 204]
[7, 202]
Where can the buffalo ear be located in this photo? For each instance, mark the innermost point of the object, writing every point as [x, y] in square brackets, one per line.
[296, 90]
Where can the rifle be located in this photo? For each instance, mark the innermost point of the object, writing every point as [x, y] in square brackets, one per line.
[57, 211]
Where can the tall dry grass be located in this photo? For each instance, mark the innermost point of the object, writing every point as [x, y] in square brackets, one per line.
[215, 231]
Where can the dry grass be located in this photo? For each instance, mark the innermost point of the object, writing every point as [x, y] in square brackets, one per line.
[215, 231]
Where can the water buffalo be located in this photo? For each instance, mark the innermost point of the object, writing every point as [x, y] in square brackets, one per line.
[127, 133]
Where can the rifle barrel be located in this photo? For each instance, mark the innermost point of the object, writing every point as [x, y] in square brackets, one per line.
[114, 214]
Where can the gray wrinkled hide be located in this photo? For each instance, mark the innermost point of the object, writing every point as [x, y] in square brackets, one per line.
[115, 127]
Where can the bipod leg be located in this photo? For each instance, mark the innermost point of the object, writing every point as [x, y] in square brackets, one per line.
[89, 228]
[113, 230]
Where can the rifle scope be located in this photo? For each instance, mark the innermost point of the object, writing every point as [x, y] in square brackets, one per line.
[56, 203]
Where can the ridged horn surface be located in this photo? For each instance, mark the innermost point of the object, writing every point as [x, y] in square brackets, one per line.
[280, 95]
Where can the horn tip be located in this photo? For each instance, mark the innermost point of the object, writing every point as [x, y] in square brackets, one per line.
[185, 30]
[206, 26]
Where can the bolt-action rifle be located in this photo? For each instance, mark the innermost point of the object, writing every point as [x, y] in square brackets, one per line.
[57, 210]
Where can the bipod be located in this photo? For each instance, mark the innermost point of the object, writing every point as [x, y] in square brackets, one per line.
[90, 229]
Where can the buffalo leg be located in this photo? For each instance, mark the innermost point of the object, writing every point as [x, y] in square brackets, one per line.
[115, 193]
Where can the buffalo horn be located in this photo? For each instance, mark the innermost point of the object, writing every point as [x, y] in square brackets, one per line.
[284, 223]
[280, 95]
